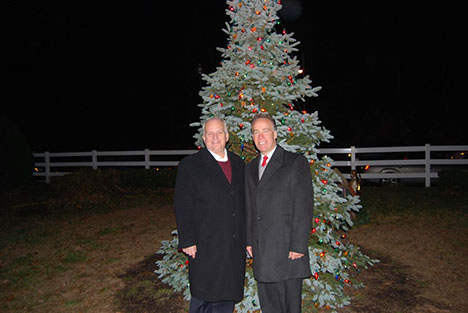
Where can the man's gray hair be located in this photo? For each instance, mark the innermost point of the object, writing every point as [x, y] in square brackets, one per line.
[215, 118]
[264, 115]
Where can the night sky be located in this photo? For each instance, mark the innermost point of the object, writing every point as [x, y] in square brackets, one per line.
[125, 75]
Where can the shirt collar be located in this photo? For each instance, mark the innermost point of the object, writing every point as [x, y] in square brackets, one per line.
[217, 157]
[269, 155]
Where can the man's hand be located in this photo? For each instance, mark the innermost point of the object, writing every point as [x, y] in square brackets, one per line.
[249, 250]
[191, 251]
[295, 255]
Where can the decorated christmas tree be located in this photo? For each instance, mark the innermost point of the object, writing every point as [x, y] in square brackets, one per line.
[259, 73]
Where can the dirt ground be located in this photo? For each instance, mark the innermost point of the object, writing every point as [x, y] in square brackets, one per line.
[423, 264]
[111, 243]
[423, 267]
[410, 277]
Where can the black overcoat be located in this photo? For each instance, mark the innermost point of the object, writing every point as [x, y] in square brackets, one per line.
[279, 212]
[210, 213]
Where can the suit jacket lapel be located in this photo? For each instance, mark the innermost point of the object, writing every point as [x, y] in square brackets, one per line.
[234, 170]
[213, 166]
[254, 170]
[275, 163]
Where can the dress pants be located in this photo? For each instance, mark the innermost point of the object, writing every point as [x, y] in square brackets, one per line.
[281, 297]
[200, 306]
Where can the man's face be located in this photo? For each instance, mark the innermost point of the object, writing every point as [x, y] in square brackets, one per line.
[215, 137]
[264, 135]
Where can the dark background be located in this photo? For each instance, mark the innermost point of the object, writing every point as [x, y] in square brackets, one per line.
[84, 75]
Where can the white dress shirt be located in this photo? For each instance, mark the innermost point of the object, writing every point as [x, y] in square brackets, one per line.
[218, 158]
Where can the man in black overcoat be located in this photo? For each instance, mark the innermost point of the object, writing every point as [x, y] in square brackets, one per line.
[210, 214]
[279, 212]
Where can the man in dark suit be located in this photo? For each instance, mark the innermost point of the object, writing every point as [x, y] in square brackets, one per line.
[210, 215]
[279, 206]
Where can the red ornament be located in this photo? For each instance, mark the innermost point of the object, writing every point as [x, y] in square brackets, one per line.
[317, 220]
[316, 276]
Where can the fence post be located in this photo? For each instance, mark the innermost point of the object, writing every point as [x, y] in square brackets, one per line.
[47, 166]
[353, 158]
[94, 159]
[427, 157]
[147, 159]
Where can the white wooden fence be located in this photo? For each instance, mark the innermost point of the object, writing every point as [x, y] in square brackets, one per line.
[50, 164]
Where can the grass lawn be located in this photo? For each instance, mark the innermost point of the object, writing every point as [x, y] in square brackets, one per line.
[73, 261]
[102, 259]
[421, 236]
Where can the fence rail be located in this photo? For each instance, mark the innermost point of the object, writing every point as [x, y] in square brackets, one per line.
[50, 164]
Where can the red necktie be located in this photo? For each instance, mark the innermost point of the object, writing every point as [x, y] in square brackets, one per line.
[265, 158]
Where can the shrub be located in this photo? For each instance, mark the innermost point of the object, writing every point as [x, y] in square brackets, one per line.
[100, 188]
[86, 188]
[454, 179]
[16, 161]
[149, 179]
